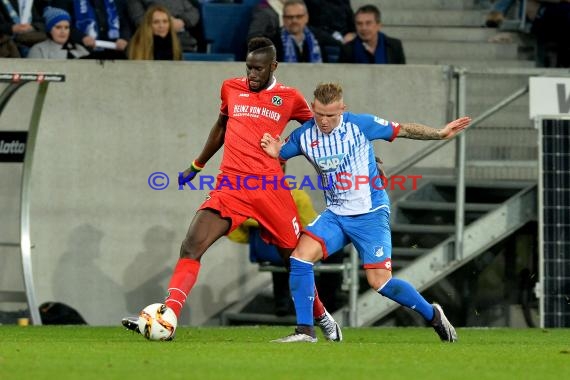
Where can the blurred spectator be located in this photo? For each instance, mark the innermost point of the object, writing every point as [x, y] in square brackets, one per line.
[102, 26]
[371, 45]
[482, 4]
[8, 48]
[58, 44]
[334, 17]
[197, 31]
[266, 19]
[22, 22]
[550, 24]
[185, 17]
[296, 42]
[155, 38]
[498, 12]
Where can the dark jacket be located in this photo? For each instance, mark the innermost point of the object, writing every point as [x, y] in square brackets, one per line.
[125, 29]
[330, 48]
[6, 21]
[163, 48]
[331, 15]
[394, 52]
[264, 22]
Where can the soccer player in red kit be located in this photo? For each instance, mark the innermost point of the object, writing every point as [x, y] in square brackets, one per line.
[249, 183]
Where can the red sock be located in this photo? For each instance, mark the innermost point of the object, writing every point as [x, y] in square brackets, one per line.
[318, 307]
[181, 282]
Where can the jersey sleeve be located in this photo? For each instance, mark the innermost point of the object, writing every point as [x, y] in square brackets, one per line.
[376, 128]
[292, 146]
[301, 110]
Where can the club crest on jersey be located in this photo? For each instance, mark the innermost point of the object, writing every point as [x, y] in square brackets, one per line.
[379, 252]
[276, 100]
[330, 163]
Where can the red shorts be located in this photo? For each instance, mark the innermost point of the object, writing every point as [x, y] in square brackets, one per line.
[272, 206]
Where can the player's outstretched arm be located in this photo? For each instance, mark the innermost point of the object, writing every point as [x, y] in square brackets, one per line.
[213, 144]
[271, 145]
[215, 139]
[421, 132]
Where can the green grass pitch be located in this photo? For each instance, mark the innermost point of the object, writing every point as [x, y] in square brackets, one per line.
[83, 353]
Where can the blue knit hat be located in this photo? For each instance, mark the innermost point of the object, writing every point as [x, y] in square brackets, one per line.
[53, 16]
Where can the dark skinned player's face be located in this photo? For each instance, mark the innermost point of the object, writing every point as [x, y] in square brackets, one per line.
[259, 69]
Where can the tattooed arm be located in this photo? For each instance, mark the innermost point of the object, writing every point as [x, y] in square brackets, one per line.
[417, 131]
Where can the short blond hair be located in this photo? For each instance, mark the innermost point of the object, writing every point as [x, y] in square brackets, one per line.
[327, 93]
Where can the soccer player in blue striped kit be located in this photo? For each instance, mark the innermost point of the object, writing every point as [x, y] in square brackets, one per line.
[338, 144]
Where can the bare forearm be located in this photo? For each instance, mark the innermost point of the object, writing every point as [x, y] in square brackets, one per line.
[215, 140]
[417, 131]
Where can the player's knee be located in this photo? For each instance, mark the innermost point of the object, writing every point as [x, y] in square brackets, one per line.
[305, 256]
[308, 250]
[378, 284]
[190, 250]
[377, 278]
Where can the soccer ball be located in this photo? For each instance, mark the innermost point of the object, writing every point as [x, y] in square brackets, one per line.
[157, 322]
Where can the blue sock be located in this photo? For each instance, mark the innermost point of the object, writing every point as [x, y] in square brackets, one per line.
[405, 294]
[302, 283]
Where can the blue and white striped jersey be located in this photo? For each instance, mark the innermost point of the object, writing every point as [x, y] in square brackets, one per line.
[345, 160]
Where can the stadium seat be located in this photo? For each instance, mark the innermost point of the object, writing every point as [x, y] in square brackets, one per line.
[225, 27]
[219, 57]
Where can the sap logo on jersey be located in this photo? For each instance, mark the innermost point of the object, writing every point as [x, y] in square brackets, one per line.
[330, 163]
[380, 121]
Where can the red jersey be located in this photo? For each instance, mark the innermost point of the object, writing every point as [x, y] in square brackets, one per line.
[251, 114]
